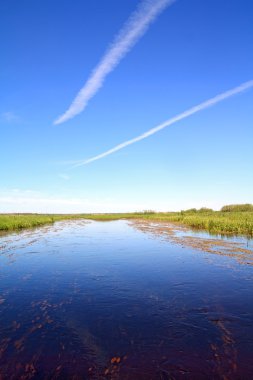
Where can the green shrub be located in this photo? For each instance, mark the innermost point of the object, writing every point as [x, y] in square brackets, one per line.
[237, 208]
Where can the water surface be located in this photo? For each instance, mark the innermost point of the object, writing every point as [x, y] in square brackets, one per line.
[124, 300]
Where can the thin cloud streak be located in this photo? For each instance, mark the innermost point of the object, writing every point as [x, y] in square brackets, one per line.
[132, 31]
[208, 103]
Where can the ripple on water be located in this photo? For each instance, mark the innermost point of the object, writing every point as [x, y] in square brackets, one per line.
[124, 300]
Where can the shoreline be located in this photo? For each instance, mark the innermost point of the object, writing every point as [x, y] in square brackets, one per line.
[215, 222]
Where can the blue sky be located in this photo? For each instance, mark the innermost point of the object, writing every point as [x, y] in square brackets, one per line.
[193, 51]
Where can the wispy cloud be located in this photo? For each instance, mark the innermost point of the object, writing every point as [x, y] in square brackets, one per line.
[17, 200]
[131, 32]
[64, 176]
[208, 103]
[9, 117]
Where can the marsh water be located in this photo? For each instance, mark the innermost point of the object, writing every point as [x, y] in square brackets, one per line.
[125, 300]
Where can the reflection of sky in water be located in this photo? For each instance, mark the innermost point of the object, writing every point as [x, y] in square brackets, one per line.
[105, 289]
[245, 241]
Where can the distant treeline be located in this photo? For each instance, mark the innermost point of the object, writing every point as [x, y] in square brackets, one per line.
[238, 208]
[246, 207]
[194, 210]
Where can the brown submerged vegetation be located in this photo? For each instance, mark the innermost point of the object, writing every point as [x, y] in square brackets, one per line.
[211, 245]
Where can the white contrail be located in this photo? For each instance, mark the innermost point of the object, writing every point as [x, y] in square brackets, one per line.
[131, 32]
[183, 115]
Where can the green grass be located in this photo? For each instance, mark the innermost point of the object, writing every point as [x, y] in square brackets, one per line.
[233, 223]
[10, 222]
[218, 222]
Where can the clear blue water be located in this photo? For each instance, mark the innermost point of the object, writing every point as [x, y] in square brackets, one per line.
[104, 300]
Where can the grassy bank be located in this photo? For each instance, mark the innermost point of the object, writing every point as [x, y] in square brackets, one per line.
[233, 223]
[17, 221]
[12, 222]
[219, 222]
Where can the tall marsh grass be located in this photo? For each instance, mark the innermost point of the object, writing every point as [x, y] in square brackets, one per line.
[17, 221]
